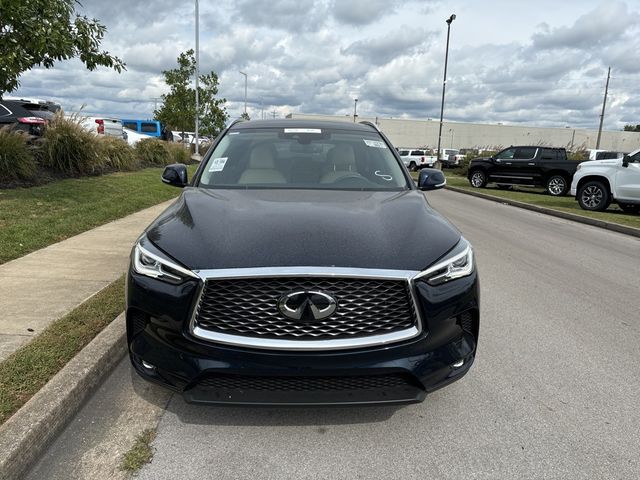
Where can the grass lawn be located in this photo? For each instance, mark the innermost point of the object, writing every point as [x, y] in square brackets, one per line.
[537, 196]
[29, 368]
[32, 218]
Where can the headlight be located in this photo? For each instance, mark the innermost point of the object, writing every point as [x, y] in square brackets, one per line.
[458, 264]
[150, 264]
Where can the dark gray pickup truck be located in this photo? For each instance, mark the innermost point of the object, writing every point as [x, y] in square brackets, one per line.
[532, 166]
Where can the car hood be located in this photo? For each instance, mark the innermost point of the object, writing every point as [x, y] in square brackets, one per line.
[210, 229]
[600, 163]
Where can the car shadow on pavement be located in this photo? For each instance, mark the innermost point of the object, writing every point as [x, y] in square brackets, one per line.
[278, 416]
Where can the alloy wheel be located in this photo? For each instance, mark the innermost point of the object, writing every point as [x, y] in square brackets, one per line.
[557, 186]
[592, 196]
[477, 179]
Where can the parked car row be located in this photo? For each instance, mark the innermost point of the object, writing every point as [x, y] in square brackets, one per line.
[415, 159]
[595, 184]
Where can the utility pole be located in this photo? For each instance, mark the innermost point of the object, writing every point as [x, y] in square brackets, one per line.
[274, 114]
[355, 108]
[604, 104]
[197, 154]
[245, 92]
[444, 82]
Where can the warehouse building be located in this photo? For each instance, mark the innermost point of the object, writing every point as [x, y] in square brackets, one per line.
[424, 133]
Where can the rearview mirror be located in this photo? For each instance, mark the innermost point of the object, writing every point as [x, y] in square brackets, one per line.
[625, 161]
[175, 175]
[431, 179]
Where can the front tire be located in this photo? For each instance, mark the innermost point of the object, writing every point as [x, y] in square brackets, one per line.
[594, 196]
[478, 179]
[413, 167]
[557, 185]
[629, 207]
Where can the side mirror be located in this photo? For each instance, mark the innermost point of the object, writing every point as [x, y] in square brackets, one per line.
[175, 175]
[625, 161]
[431, 179]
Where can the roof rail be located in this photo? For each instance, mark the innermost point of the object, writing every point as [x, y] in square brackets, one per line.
[370, 124]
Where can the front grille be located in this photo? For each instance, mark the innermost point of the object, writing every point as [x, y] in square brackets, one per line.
[249, 307]
[303, 384]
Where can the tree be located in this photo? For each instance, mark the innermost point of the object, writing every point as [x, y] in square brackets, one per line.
[178, 110]
[41, 32]
[245, 116]
[632, 128]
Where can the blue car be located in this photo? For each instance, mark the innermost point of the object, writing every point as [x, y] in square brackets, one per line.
[152, 128]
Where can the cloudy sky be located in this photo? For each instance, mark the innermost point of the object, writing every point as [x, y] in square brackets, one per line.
[512, 61]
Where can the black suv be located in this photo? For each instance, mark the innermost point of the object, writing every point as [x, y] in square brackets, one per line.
[14, 113]
[532, 166]
[279, 277]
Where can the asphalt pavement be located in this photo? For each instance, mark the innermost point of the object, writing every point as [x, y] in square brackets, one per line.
[553, 393]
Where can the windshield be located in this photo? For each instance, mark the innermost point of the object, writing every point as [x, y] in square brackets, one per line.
[306, 158]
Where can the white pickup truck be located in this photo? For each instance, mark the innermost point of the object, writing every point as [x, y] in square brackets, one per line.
[416, 159]
[598, 183]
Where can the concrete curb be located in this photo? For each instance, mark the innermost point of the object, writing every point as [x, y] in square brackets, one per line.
[635, 232]
[30, 430]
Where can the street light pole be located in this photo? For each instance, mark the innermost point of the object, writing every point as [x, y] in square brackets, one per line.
[444, 82]
[197, 154]
[245, 92]
[604, 104]
[355, 108]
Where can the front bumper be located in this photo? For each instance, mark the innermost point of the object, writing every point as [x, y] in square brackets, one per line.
[163, 351]
[400, 374]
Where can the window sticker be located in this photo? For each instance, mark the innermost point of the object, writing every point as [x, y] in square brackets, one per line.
[302, 130]
[374, 143]
[234, 133]
[217, 165]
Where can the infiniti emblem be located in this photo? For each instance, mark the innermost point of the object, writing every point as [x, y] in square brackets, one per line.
[307, 305]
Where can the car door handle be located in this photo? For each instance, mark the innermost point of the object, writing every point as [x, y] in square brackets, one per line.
[507, 163]
[531, 163]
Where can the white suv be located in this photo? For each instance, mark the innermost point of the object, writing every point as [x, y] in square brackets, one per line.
[597, 183]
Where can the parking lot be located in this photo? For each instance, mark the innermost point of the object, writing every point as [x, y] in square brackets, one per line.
[553, 393]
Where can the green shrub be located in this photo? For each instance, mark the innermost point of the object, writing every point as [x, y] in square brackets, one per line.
[178, 153]
[118, 155]
[579, 156]
[70, 149]
[153, 152]
[16, 157]
[463, 168]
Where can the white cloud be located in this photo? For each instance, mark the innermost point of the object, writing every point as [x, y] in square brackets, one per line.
[533, 64]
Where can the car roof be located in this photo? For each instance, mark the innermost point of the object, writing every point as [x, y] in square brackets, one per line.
[292, 123]
[16, 109]
[537, 146]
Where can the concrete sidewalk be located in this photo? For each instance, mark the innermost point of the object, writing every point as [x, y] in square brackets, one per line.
[47, 284]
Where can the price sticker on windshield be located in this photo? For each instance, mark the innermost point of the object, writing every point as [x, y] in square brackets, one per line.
[374, 143]
[217, 165]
